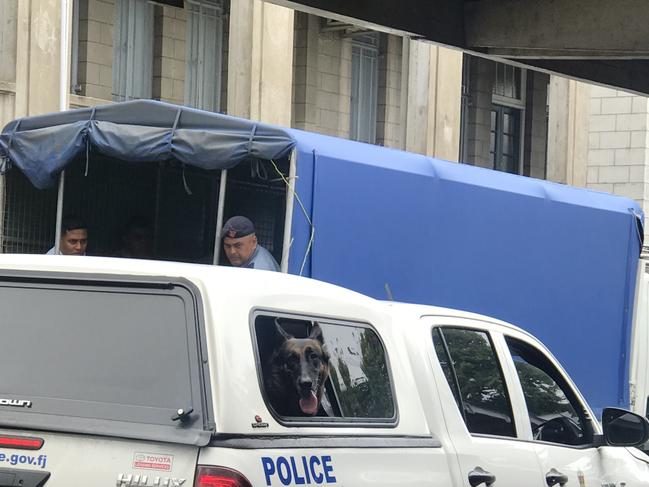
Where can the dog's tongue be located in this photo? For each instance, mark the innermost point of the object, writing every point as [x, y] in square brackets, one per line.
[309, 405]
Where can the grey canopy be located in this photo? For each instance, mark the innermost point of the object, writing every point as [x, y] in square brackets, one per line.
[136, 131]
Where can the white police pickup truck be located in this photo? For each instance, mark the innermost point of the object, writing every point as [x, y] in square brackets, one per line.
[138, 373]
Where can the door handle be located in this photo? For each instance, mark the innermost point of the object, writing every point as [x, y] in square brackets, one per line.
[554, 477]
[479, 476]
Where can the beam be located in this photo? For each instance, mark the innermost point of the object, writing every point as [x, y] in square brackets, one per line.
[632, 76]
[551, 27]
[437, 20]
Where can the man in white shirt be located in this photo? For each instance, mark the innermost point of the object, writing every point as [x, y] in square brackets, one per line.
[74, 238]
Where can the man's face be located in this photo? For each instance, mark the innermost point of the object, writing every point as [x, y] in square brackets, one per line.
[239, 250]
[74, 242]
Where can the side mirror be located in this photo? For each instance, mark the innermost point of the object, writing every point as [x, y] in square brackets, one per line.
[624, 428]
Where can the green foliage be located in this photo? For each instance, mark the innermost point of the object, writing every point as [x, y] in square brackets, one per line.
[477, 369]
[370, 395]
[542, 394]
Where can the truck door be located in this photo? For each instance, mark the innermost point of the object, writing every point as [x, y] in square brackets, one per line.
[102, 381]
[482, 428]
[562, 428]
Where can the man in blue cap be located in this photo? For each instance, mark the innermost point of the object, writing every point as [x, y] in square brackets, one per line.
[241, 246]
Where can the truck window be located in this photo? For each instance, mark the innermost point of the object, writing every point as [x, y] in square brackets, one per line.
[473, 373]
[91, 356]
[554, 411]
[323, 371]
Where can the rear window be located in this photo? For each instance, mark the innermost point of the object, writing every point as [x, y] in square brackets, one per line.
[119, 357]
[318, 370]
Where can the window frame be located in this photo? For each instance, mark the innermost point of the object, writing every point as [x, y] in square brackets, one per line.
[140, 26]
[196, 433]
[563, 382]
[321, 421]
[197, 32]
[504, 373]
[499, 135]
[367, 47]
[502, 102]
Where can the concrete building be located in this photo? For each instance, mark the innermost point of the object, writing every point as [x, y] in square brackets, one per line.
[262, 61]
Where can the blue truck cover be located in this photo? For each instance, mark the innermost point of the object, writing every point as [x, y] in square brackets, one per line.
[558, 261]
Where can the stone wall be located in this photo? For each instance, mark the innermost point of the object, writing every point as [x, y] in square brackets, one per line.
[321, 78]
[617, 146]
[478, 129]
[169, 49]
[95, 50]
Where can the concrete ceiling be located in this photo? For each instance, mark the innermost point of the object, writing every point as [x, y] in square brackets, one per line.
[602, 41]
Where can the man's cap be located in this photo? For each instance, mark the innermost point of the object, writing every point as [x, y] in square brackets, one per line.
[237, 227]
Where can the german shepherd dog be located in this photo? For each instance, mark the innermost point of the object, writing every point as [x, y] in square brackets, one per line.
[298, 370]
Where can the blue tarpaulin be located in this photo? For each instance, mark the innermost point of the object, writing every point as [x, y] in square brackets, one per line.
[137, 131]
[555, 260]
[558, 261]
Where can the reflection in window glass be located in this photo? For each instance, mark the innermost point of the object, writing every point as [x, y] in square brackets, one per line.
[552, 416]
[476, 371]
[445, 362]
[320, 369]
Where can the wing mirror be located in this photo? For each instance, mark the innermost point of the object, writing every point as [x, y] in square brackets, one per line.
[624, 428]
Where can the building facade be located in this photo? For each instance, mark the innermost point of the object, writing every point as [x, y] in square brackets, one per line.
[261, 61]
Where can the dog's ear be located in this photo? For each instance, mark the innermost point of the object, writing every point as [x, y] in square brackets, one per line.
[281, 331]
[316, 333]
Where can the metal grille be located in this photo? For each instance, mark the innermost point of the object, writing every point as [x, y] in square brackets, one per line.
[256, 191]
[29, 216]
[180, 202]
[115, 191]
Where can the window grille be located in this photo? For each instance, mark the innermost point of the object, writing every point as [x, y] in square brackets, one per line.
[179, 202]
[508, 82]
[256, 191]
[364, 99]
[29, 215]
[132, 50]
[204, 46]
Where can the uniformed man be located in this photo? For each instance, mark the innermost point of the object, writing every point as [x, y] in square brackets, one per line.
[241, 246]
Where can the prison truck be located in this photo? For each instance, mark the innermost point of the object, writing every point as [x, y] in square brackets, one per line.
[560, 262]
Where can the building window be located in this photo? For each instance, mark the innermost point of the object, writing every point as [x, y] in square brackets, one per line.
[204, 46]
[504, 142]
[132, 49]
[507, 82]
[507, 115]
[365, 62]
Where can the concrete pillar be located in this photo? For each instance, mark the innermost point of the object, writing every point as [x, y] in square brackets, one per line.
[478, 111]
[38, 58]
[260, 61]
[432, 117]
[8, 18]
[567, 132]
[416, 114]
[447, 96]
[535, 139]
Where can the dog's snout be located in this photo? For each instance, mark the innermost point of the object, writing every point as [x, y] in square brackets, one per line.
[305, 384]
